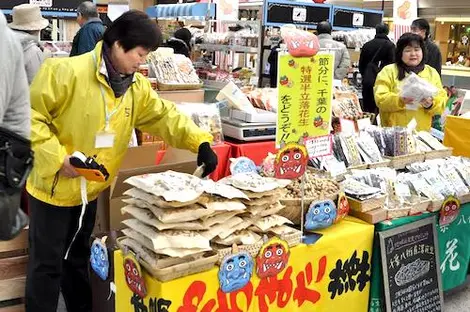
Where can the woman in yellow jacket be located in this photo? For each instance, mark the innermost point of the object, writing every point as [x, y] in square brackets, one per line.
[90, 103]
[397, 111]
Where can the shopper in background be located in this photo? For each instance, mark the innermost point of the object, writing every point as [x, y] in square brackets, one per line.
[91, 29]
[27, 23]
[15, 116]
[90, 103]
[342, 59]
[433, 54]
[397, 111]
[375, 55]
[273, 60]
[181, 42]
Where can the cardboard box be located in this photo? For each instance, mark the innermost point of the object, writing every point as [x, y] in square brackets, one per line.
[119, 187]
[188, 96]
[141, 156]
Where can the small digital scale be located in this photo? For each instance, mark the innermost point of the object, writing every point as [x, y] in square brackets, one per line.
[248, 131]
[259, 125]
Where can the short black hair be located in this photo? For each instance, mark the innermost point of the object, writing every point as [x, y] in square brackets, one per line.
[133, 29]
[183, 34]
[382, 29]
[87, 10]
[422, 24]
[405, 40]
[324, 28]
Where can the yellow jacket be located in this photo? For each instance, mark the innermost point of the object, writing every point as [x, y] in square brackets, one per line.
[393, 110]
[68, 111]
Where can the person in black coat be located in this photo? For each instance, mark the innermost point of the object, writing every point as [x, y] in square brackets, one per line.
[433, 54]
[377, 53]
[181, 42]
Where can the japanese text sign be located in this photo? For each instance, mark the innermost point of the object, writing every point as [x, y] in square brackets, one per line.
[305, 95]
[410, 264]
[316, 278]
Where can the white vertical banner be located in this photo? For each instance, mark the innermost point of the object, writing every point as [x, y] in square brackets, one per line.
[404, 13]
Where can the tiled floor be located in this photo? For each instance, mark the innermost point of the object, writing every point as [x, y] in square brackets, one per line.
[458, 300]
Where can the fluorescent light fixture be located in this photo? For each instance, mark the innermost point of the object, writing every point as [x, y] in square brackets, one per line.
[453, 19]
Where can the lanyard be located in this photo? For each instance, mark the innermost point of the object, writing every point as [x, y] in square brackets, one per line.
[107, 113]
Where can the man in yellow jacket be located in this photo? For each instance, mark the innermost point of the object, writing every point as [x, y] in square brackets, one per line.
[90, 103]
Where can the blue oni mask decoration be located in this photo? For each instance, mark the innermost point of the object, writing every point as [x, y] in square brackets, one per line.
[320, 215]
[235, 271]
[99, 259]
[242, 165]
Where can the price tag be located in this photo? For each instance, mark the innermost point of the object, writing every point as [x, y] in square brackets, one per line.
[358, 19]
[363, 123]
[337, 169]
[347, 126]
[319, 146]
[299, 14]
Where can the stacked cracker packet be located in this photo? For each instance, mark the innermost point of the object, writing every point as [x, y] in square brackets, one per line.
[179, 215]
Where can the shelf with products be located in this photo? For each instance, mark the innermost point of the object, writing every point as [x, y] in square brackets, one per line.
[226, 48]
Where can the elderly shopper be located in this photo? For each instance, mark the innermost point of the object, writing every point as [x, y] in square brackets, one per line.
[342, 58]
[91, 29]
[27, 24]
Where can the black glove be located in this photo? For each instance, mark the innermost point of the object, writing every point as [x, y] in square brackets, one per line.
[207, 157]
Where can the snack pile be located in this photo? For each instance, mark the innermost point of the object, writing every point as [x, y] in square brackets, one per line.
[423, 186]
[179, 215]
[173, 69]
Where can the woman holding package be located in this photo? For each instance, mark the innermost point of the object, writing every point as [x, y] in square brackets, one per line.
[396, 110]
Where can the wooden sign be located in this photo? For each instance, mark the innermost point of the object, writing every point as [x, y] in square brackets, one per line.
[410, 264]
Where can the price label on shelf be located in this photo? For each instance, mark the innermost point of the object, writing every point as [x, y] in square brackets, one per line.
[319, 146]
[358, 19]
[363, 123]
[42, 3]
[347, 126]
[299, 14]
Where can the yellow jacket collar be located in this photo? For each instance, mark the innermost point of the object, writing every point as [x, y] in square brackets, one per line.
[99, 63]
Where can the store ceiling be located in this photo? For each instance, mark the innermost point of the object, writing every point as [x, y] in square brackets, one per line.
[426, 8]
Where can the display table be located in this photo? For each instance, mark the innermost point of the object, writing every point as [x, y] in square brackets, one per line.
[256, 151]
[333, 274]
[455, 135]
[454, 254]
[223, 152]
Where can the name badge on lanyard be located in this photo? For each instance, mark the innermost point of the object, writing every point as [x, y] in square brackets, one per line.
[104, 139]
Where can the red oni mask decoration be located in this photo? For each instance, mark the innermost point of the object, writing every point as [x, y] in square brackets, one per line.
[450, 211]
[300, 43]
[134, 278]
[291, 161]
[342, 207]
[272, 258]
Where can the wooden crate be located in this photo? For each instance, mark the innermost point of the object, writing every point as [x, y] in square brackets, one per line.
[13, 264]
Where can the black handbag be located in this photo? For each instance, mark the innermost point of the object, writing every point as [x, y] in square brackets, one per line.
[16, 162]
[371, 72]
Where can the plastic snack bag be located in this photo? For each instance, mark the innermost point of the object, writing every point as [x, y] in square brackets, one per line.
[416, 88]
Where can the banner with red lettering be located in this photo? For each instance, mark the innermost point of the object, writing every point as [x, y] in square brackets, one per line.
[333, 274]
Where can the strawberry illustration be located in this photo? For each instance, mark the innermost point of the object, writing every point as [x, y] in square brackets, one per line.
[318, 121]
[291, 63]
[284, 81]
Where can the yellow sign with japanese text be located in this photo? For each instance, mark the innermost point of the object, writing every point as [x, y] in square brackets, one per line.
[332, 274]
[305, 93]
